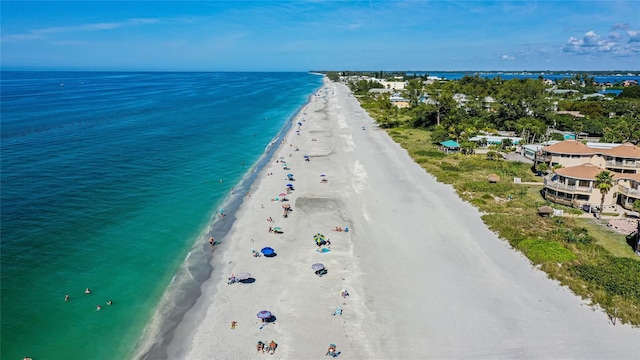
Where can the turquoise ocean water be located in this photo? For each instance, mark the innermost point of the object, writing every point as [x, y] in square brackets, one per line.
[107, 181]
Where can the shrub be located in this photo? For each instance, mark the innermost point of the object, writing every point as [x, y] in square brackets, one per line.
[542, 251]
[618, 276]
[430, 153]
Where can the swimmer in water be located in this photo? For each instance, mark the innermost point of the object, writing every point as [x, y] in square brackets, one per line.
[109, 302]
[87, 291]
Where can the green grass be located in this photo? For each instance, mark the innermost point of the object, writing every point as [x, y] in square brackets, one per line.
[614, 242]
[542, 251]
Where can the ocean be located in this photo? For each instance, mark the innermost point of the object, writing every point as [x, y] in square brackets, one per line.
[108, 180]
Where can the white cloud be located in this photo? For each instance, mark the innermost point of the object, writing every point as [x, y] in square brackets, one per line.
[590, 43]
[615, 44]
[507, 57]
[40, 34]
[634, 35]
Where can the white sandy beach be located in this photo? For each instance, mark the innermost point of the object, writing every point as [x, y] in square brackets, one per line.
[426, 278]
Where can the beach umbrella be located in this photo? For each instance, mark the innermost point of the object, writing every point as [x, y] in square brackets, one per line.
[277, 228]
[306, 156]
[284, 164]
[243, 276]
[290, 175]
[317, 266]
[267, 251]
[323, 175]
[265, 314]
[289, 185]
[299, 123]
[318, 236]
[282, 194]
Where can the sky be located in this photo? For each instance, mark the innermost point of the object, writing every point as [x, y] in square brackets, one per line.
[267, 35]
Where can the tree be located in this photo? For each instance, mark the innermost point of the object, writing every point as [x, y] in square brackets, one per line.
[632, 92]
[467, 147]
[604, 183]
[413, 91]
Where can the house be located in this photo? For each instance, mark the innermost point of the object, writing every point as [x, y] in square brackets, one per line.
[575, 186]
[628, 188]
[496, 140]
[399, 101]
[594, 95]
[395, 85]
[461, 99]
[623, 159]
[628, 83]
[571, 184]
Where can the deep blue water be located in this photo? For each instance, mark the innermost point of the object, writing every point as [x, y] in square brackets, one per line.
[107, 181]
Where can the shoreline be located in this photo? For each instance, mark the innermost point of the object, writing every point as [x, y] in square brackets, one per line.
[200, 263]
[419, 264]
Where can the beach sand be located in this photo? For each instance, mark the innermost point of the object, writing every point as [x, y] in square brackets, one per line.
[426, 278]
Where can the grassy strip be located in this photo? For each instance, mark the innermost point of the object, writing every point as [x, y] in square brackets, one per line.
[585, 256]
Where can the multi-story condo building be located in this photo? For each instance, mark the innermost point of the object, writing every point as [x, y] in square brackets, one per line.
[576, 166]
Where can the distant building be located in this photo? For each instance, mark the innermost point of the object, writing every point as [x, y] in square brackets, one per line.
[572, 113]
[400, 101]
[496, 140]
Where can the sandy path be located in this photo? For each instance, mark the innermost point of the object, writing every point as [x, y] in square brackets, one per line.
[426, 278]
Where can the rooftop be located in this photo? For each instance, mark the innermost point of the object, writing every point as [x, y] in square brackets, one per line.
[569, 147]
[626, 150]
[583, 172]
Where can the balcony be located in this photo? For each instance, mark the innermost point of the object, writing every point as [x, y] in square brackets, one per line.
[559, 199]
[540, 158]
[625, 164]
[630, 192]
[567, 188]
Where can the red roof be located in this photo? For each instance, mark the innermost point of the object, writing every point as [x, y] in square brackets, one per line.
[584, 172]
[569, 147]
[626, 150]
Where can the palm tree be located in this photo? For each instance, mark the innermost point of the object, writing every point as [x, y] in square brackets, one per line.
[604, 183]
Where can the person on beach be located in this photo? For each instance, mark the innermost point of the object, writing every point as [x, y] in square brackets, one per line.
[212, 241]
[234, 324]
[87, 291]
[332, 350]
[260, 346]
[272, 347]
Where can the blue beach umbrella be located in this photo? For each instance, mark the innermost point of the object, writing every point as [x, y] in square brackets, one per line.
[290, 175]
[299, 123]
[264, 314]
[289, 185]
[267, 251]
[306, 156]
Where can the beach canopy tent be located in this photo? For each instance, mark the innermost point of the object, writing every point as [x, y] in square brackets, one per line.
[267, 251]
[449, 146]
